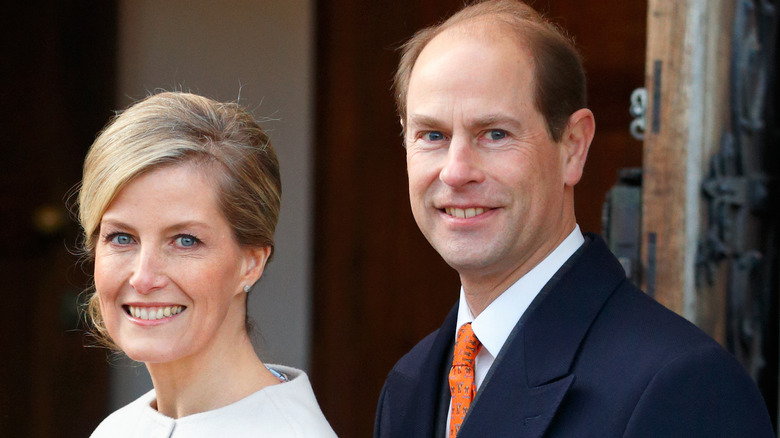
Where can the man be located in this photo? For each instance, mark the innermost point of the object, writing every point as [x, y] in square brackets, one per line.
[548, 337]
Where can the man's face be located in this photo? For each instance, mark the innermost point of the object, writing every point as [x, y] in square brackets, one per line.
[486, 180]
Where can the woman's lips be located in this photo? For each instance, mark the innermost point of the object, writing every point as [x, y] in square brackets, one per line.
[153, 313]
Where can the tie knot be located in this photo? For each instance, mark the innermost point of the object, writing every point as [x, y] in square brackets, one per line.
[466, 346]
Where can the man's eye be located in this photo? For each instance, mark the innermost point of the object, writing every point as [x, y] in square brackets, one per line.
[433, 136]
[121, 239]
[186, 240]
[497, 134]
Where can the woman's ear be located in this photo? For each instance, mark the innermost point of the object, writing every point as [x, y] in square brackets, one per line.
[403, 130]
[255, 259]
[576, 140]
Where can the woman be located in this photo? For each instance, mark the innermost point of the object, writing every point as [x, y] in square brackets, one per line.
[179, 202]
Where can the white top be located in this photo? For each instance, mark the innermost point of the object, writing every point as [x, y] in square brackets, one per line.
[493, 326]
[288, 409]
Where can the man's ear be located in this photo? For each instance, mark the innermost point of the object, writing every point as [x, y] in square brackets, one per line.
[255, 259]
[576, 142]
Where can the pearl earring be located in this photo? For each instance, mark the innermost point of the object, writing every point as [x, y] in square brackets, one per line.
[247, 288]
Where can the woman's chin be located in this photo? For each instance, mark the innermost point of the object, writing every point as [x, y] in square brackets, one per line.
[148, 354]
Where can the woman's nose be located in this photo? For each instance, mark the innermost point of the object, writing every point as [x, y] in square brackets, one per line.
[147, 272]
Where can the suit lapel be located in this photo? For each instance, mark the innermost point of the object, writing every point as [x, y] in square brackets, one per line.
[529, 380]
[506, 405]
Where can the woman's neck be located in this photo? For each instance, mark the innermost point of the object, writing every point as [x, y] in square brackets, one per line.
[223, 374]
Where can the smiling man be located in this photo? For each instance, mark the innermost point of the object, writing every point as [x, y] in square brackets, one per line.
[548, 336]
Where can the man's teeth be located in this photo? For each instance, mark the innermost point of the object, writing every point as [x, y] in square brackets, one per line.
[152, 313]
[464, 212]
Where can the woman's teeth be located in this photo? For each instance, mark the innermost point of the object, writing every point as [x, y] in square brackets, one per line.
[152, 313]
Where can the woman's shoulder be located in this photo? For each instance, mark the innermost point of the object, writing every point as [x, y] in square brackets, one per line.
[294, 395]
[287, 409]
[122, 421]
[293, 405]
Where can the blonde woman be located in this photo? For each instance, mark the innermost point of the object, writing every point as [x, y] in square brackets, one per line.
[179, 202]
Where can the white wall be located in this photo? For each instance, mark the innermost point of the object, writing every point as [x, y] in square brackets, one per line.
[262, 51]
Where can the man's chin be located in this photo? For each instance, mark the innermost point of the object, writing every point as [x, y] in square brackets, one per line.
[468, 262]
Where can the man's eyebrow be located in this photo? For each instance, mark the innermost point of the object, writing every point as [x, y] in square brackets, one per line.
[115, 224]
[485, 121]
[421, 120]
[492, 120]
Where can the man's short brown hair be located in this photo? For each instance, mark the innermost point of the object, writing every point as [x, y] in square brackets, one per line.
[559, 78]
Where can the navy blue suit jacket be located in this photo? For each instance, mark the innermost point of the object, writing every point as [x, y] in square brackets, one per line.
[593, 356]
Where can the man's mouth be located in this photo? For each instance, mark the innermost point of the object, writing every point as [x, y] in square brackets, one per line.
[153, 313]
[465, 213]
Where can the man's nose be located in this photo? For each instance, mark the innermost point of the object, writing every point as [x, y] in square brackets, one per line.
[147, 273]
[462, 165]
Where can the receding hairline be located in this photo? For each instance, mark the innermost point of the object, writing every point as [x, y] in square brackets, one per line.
[493, 26]
[556, 73]
[486, 28]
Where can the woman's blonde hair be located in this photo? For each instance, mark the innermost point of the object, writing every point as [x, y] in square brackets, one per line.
[172, 128]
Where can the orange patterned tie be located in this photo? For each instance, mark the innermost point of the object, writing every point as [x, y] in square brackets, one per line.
[462, 385]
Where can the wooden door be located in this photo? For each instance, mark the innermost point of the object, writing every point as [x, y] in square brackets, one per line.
[378, 286]
[710, 228]
[56, 94]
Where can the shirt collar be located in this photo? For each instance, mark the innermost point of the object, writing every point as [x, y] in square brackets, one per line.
[493, 325]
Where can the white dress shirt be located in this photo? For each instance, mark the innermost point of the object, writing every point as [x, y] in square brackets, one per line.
[493, 326]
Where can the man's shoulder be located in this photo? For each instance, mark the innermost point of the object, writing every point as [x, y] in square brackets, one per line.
[637, 333]
[628, 314]
[647, 324]
[647, 371]
[686, 381]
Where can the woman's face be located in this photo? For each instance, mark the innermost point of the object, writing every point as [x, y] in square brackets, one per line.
[168, 271]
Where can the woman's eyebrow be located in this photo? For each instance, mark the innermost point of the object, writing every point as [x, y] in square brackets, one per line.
[187, 225]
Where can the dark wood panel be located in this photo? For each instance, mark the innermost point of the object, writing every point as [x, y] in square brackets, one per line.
[57, 91]
[378, 286]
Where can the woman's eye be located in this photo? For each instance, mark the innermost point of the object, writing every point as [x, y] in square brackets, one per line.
[433, 136]
[121, 239]
[186, 240]
[497, 134]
